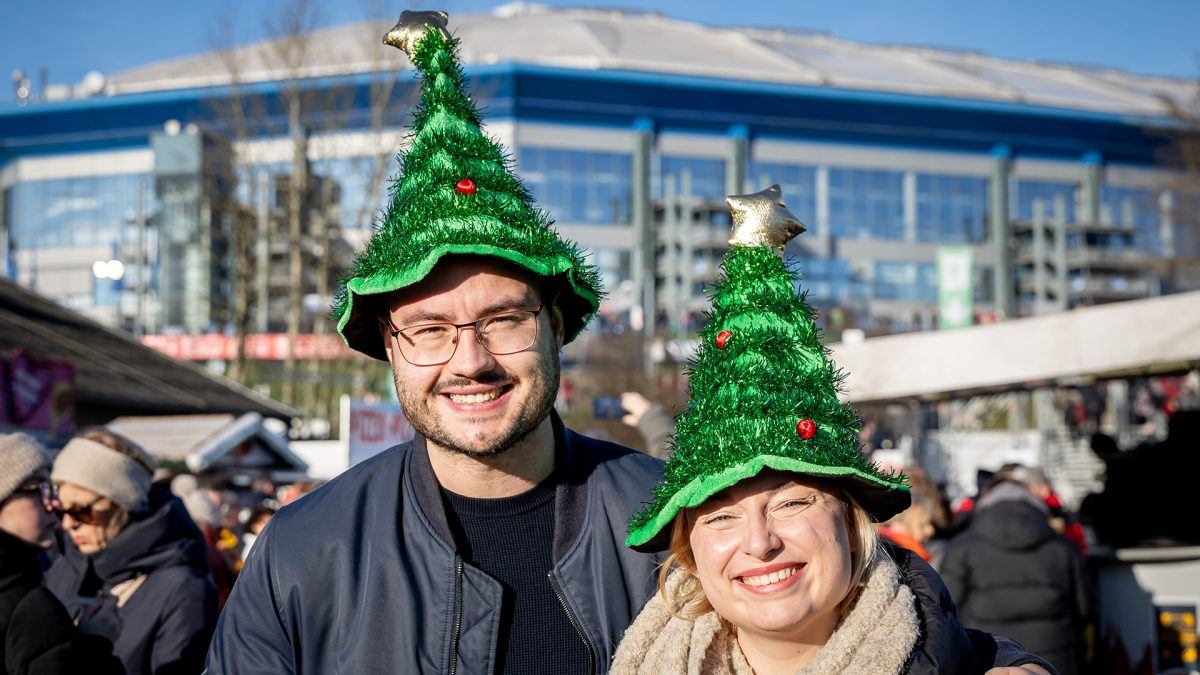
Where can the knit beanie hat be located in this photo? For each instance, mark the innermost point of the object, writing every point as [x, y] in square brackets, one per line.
[21, 458]
[198, 505]
[123, 477]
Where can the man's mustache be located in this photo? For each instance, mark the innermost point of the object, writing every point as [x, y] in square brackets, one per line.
[497, 379]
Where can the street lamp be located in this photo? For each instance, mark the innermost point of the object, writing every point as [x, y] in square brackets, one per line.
[113, 270]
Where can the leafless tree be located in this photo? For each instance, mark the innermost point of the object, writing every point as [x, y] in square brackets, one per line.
[304, 216]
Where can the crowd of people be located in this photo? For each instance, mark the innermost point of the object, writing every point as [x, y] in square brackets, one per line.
[108, 564]
[501, 541]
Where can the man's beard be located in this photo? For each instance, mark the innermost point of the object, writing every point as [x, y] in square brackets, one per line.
[540, 401]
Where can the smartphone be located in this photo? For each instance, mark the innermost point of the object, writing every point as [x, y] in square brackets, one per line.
[607, 407]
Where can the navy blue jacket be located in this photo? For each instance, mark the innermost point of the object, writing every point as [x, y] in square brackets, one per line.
[36, 634]
[168, 621]
[361, 575]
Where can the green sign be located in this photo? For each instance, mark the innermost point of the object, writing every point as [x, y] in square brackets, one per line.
[955, 294]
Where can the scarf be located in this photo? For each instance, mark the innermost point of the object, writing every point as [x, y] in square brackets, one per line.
[876, 636]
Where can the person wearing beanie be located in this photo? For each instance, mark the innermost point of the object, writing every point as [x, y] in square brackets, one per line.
[36, 633]
[207, 515]
[767, 505]
[135, 546]
[490, 543]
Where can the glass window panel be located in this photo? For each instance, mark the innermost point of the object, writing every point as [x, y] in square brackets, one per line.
[866, 203]
[1028, 191]
[706, 176]
[579, 186]
[951, 209]
[1138, 210]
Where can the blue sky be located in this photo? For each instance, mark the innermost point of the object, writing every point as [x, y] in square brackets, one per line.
[1153, 36]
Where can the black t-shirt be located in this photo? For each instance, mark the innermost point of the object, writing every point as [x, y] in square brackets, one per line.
[511, 539]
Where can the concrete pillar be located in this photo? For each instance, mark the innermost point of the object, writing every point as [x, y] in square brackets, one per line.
[642, 216]
[683, 256]
[1001, 226]
[1166, 215]
[1060, 252]
[738, 160]
[910, 206]
[1039, 256]
[821, 197]
[1090, 187]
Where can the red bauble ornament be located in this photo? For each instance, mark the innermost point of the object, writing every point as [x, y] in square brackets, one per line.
[806, 428]
[723, 338]
[465, 186]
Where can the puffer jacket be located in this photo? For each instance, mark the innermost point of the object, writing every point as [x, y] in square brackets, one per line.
[1010, 573]
[168, 620]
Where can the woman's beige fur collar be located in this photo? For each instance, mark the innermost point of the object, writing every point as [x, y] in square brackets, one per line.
[875, 637]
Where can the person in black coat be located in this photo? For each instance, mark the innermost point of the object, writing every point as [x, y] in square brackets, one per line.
[137, 545]
[1010, 573]
[36, 634]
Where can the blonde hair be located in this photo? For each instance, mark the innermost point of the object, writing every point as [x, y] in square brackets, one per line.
[686, 600]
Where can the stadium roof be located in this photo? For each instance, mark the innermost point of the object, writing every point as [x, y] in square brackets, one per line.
[604, 39]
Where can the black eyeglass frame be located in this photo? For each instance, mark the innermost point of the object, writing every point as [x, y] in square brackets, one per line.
[458, 329]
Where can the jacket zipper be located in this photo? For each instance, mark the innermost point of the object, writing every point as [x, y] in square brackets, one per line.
[458, 608]
[591, 656]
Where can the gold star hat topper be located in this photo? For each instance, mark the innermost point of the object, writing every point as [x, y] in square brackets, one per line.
[411, 27]
[762, 219]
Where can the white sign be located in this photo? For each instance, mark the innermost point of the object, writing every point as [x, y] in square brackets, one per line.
[370, 428]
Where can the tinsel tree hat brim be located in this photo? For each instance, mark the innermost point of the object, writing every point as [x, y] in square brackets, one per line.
[359, 322]
[881, 498]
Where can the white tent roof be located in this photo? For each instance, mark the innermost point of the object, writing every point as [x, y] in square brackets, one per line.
[592, 39]
[1156, 335]
[202, 441]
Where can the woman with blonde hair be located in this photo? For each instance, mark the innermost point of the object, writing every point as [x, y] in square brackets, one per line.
[135, 546]
[767, 505]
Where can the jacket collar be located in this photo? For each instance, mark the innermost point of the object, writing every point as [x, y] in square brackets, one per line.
[18, 561]
[571, 471]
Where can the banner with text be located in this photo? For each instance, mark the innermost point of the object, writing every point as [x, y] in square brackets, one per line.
[372, 427]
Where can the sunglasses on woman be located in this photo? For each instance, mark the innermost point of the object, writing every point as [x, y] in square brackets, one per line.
[85, 514]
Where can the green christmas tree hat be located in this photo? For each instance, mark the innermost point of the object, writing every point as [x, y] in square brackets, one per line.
[457, 194]
[763, 393]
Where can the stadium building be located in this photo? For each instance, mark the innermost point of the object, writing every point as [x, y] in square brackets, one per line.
[123, 197]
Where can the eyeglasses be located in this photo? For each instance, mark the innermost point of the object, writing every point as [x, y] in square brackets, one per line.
[432, 344]
[85, 514]
[43, 489]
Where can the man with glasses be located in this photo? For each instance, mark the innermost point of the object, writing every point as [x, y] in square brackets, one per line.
[493, 541]
[36, 634]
